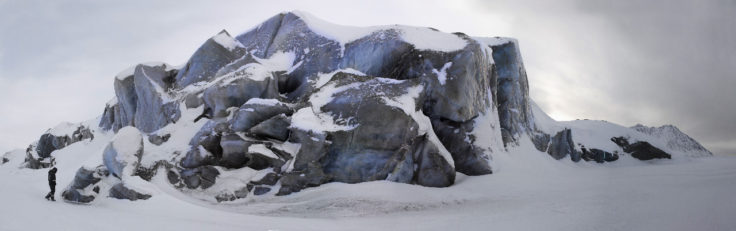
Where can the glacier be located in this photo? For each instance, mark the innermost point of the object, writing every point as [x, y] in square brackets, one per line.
[297, 103]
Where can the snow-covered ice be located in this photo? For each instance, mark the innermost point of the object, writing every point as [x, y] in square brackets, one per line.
[530, 192]
[63, 129]
[226, 41]
[261, 149]
[528, 189]
[407, 103]
[422, 38]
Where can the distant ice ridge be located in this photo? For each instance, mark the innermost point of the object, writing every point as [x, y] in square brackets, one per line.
[675, 139]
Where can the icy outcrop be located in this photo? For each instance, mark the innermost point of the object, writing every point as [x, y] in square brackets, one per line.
[143, 99]
[214, 54]
[364, 144]
[561, 145]
[120, 167]
[307, 61]
[251, 80]
[85, 186]
[38, 154]
[297, 102]
[675, 139]
[514, 111]
[641, 149]
[120, 191]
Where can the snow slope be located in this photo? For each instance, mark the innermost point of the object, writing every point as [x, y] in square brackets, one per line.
[529, 192]
[675, 139]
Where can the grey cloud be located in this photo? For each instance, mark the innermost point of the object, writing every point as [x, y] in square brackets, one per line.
[651, 62]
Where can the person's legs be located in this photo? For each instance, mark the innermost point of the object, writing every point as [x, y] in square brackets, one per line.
[52, 186]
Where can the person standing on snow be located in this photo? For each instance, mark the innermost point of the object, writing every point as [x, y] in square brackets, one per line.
[52, 184]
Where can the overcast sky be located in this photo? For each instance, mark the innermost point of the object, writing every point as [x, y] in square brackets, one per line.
[628, 62]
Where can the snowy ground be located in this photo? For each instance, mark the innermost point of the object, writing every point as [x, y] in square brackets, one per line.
[528, 191]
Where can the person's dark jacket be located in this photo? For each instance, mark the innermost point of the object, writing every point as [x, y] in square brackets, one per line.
[52, 175]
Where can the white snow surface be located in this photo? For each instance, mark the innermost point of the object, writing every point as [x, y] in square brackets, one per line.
[127, 142]
[126, 73]
[261, 101]
[323, 78]
[493, 41]
[261, 149]
[131, 70]
[421, 37]
[112, 101]
[14, 157]
[63, 129]
[487, 131]
[254, 71]
[307, 119]
[226, 41]
[530, 192]
[181, 133]
[258, 71]
[279, 61]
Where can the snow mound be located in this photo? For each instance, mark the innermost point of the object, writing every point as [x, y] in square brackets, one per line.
[127, 142]
[421, 37]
